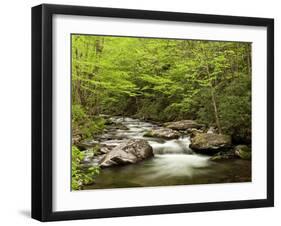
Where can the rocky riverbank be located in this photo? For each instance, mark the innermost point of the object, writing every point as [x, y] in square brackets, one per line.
[130, 142]
[131, 153]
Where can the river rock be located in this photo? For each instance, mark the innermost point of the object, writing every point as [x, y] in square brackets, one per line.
[87, 144]
[243, 152]
[129, 152]
[163, 133]
[210, 143]
[183, 125]
[104, 149]
[192, 132]
[224, 155]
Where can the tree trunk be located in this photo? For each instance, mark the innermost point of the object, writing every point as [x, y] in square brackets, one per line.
[78, 87]
[214, 102]
[215, 109]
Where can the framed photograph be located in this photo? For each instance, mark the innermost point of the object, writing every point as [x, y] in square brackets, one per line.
[145, 112]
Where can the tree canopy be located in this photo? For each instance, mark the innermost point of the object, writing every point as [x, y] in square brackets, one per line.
[162, 80]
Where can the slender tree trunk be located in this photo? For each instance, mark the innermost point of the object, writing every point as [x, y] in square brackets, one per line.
[78, 87]
[214, 102]
[215, 109]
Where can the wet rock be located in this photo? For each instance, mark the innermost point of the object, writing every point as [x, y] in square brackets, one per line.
[163, 133]
[224, 155]
[243, 152]
[87, 144]
[209, 143]
[192, 132]
[104, 149]
[129, 152]
[183, 125]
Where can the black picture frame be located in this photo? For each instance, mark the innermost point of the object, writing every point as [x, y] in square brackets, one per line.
[42, 111]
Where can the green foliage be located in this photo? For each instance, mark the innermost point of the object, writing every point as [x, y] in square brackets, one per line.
[81, 176]
[78, 114]
[93, 126]
[86, 124]
[161, 80]
[202, 107]
[235, 109]
[243, 152]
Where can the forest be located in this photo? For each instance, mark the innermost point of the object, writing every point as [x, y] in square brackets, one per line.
[157, 81]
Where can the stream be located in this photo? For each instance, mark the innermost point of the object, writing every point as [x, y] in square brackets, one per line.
[174, 163]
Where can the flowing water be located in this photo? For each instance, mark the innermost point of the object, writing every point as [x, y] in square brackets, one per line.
[174, 163]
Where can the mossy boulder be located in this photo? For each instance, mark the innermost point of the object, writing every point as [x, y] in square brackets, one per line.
[163, 133]
[210, 143]
[183, 125]
[243, 152]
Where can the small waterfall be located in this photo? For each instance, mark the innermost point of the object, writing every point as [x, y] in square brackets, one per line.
[176, 146]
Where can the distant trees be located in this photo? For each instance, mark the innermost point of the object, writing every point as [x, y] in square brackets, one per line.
[162, 80]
